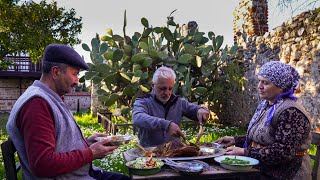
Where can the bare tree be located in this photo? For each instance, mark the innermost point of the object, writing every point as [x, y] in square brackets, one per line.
[296, 5]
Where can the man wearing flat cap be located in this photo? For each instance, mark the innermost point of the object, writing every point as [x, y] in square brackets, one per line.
[49, 142]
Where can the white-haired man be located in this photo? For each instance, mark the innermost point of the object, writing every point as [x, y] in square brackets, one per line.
[158, 114]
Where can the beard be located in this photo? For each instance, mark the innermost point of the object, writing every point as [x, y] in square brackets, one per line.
[164, 99]
[66, 90]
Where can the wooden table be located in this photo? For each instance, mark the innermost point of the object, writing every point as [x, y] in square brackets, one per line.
[215, 172]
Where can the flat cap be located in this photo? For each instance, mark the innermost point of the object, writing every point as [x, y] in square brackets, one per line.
[61, 53]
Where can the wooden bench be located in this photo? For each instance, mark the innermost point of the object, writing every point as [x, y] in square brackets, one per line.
[112, 128]
[8, 155]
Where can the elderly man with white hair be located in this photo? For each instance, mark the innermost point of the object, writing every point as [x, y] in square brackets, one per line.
[158, 114]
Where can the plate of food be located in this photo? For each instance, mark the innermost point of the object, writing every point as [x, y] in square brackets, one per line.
[238, 163]
[144, 166]
[177, 150]
[116, 140]
[212, 144]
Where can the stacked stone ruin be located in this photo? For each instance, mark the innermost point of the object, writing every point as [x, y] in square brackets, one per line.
[295, 42]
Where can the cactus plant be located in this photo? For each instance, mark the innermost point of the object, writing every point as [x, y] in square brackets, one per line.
[123, 66]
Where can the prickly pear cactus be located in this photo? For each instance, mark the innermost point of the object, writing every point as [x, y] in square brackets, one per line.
[123, 66]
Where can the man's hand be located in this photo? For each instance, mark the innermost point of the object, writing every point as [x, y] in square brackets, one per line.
[92, 139]
[174, 130]
[202, 115]
[101, 149]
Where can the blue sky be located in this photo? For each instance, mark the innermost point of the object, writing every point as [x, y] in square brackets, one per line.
[211, 15]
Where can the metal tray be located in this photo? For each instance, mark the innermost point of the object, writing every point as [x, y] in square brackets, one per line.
[137, 152]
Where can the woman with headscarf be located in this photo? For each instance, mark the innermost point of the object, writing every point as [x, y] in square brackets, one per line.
[279, 133]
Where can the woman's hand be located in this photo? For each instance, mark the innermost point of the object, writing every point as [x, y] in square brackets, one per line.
[235, 151]
[226, 141]
[92, 139]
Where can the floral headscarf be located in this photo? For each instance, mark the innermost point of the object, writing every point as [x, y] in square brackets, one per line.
[283, 76]
[280, 74]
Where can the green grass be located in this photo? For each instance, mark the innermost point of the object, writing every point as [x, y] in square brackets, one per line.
[3, 121]
[3, 137]
[88, 124]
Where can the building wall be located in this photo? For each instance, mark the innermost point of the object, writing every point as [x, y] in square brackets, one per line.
[251, 17]
[11, 89]
[83, 98]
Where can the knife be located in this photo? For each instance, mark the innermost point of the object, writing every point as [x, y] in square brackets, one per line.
[186, 140]
[200, 132]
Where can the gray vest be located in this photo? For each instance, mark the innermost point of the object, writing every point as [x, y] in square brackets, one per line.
[68, 134]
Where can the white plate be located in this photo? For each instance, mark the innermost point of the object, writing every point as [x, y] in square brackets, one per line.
[117, 139]
[137, 152]
[208, 150]
[237, 167]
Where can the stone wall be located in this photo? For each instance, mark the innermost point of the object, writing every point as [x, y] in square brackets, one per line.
[251, 18]
[97, 106]
[11, 89]
[81, 98]
[295, 42]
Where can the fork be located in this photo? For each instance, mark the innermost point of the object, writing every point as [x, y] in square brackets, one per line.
[186, 140]
[146, 152]
[200, 133]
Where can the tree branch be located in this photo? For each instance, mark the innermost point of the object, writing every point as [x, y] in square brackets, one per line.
[285, 4]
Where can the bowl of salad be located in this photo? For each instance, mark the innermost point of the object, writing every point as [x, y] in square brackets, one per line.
[144, 166]
[238, 163]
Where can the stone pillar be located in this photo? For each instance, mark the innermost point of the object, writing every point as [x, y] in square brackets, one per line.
[250, 19]
[96, 105]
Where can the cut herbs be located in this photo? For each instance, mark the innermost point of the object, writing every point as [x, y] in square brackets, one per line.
[235, 161]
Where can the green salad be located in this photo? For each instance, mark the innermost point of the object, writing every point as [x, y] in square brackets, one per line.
[145, 163]
[235, 161]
